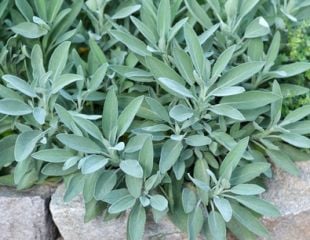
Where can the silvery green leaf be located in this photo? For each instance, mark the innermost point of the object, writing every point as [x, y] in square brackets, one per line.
[300, 127]
[145, 201]
[283, 161]
[198, 13]
[79, 143]
[273, 51]
[200, 184]
[25, 9]
[170, 153]
[7, 145]
[296, 115]
[105, 184]
[292, 90]
[135, 143]
[247, 219]
[118, 147]
[228, 111]
[197, 140]
[136, 222]
[25, 144]
[195, 223]
[132, 168]
[184, 64]
[56, 155]
[14, 107]
[114, 195]
[217, 226]
[296, 140]
[248, 100]
[195, 50]
[293, 69]
[154, 128]
[74, 187]
[232, 158]
[239, 74]
[247, 189]
[70, 162]
[201, 174]
[20, 85]
[133, 43]
[58, 59]
[257, 28]
[258, 205]
[176, 28]
[161, 70]
[127, 115]
[163, 18]
[227, 91]
[89, 127]
[144, 29]
[37, 64]
[126, 11]
[224, 207]
[64, 80]
[29, 30]
[179, 168]
[56, 169]
[189, 200]
[222, 61]
[158, 109]
[175, 88]
[92, 163]
[246, 7]
[181, 113]
[134, 185]
[39, 115]
[110, 115]
[159, 202]
[146, 157]
[97, 78]
[122, 204]
[248, 172]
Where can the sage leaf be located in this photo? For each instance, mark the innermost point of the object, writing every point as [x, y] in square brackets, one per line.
[29, 30]
[170, 153]
[79, 143]
[136, 222]
[257, 28]
[122, 204]
[25, 144]
[127, 115]
[159, 202]
[197, 140]
[132, 168]
[175, 88]
[224, 208]
[14, 107]
[20, 85]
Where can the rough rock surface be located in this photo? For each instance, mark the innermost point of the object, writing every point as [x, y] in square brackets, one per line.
[24, 215]
[292, 196]
[69, 218]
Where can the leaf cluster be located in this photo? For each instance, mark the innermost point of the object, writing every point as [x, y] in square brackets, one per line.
[169, 106]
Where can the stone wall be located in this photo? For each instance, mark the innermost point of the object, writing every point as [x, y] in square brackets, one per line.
[41, 214]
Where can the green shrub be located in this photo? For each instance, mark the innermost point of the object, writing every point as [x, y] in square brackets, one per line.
[172, 107]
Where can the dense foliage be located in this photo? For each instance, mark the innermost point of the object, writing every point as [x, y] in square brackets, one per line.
[167, 106]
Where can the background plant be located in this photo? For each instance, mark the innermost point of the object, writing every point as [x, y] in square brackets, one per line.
[173, 107]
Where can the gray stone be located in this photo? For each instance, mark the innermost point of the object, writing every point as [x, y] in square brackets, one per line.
[24, 215]
[292, 196]
[69, 218]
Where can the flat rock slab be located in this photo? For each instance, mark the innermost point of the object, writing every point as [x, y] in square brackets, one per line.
[292, 196]
[69, 218]
[24, 215]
